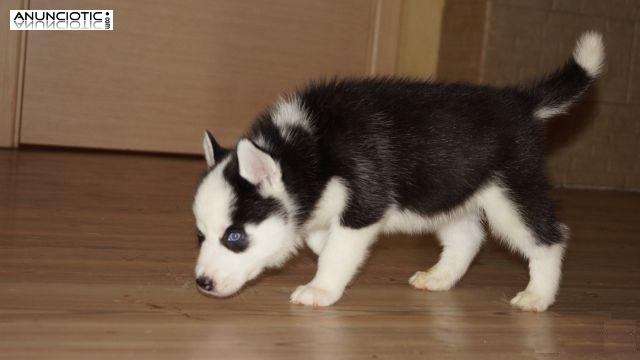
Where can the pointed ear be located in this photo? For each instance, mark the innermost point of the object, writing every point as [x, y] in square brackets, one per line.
[256, 166]
[212, 151]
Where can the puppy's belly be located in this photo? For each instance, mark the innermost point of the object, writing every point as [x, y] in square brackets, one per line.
[405, 221]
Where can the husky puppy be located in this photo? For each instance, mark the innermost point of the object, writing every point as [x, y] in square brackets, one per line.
[339, 162]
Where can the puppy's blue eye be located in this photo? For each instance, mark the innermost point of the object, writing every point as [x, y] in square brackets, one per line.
[235, 239]
[234, 236]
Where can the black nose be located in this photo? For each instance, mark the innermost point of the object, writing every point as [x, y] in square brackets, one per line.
[205, 283]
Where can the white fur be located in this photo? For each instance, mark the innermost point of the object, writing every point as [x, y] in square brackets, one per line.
[213, 201]
[342, 250]
[289, 113]
[505, 220]
[332, 202]
[316, 240]
[461, 239]
[273, 240]
[461, 235]
[272, 243]
[460, 231]
[545, 262]
[405, 221]
[547, 112]
[261, 141]
[545, 270]
[340, 258]
[589, 53]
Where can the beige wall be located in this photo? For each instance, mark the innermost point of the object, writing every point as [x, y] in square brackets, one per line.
[495, 42]
[419, 38]
[509, 41]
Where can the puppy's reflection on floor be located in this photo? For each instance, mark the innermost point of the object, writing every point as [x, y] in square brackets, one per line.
[455, 323]
[537, 331]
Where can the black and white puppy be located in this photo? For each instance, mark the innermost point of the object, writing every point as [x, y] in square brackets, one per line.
[339, 162]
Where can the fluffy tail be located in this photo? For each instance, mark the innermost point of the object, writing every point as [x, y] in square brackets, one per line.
[555, 93]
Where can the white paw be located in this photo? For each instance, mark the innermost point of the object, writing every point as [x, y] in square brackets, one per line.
[530, 301]
[432, 280]
[314, 296]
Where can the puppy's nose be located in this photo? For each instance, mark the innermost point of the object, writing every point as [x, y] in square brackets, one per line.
[205, 283]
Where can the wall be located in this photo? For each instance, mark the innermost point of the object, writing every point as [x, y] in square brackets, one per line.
[508, 41]
[419, 38]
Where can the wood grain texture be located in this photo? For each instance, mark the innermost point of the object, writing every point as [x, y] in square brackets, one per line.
[168, 71]
[11, 59]
[97, 253]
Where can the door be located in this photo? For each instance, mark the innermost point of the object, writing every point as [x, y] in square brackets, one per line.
[170, 69]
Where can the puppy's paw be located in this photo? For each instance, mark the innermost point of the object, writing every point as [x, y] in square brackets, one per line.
[528, 300]
[432, 280]
[314, 296]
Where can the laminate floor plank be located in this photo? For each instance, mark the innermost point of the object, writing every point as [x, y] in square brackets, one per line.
[97, 253]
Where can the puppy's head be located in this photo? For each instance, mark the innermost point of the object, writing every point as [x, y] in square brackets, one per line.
[243, 217]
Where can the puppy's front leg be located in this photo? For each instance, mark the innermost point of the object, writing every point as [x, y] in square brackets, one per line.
[343, 253]
[316, 240]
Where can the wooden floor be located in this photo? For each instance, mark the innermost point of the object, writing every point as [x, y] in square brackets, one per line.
[97, 254]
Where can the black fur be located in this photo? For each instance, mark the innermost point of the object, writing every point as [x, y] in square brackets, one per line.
[567, 83]
[249, 206]
[422, 146]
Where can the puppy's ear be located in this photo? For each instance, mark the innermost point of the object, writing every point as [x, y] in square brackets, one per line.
[213, 152]
[256, 166]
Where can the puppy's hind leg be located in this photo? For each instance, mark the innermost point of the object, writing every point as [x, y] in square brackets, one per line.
[529, 227]
[461, 239]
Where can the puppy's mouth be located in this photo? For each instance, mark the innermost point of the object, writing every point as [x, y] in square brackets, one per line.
[215, 293]
[211, 293]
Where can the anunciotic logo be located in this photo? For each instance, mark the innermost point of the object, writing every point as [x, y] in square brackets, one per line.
[61, 20]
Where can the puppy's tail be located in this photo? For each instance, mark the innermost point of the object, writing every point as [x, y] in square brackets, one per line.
[554, 94]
